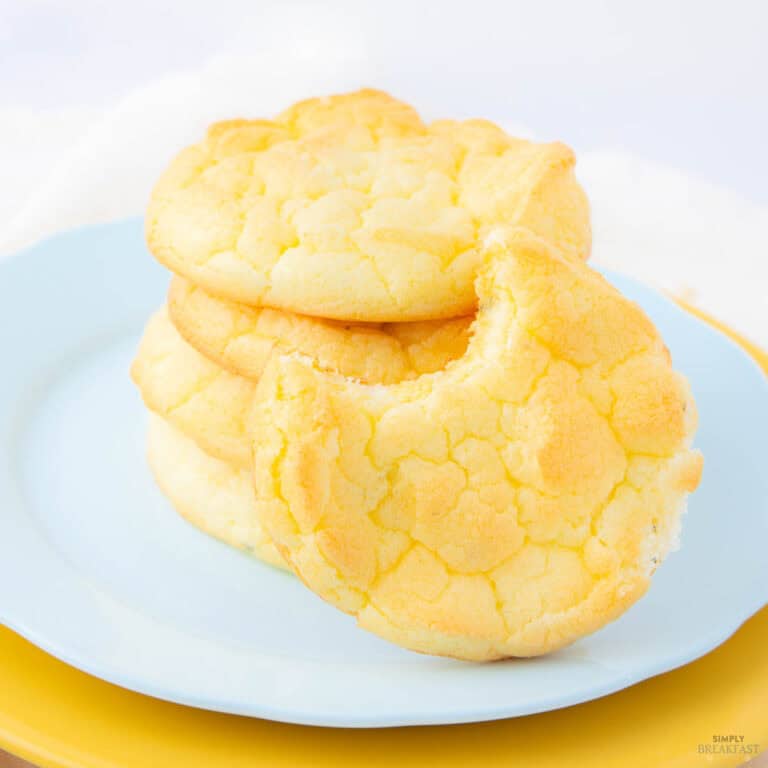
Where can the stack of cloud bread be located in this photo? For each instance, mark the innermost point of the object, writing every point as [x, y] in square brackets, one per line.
[385, 366]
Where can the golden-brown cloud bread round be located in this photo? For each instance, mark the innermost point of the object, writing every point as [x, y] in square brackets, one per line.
[241, 338]
[208, 492]
[351, 207]
[505, 506]
[198, 397]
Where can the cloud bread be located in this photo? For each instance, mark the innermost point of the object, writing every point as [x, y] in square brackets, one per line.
[210, 403]
[199, 398]
[209, 493]
[505, 506]
[351, 207]
[241, 338]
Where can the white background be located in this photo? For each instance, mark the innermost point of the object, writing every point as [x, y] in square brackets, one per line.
[96, 96]
[684, 83]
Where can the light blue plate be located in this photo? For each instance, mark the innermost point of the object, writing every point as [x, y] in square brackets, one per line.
[97, 569]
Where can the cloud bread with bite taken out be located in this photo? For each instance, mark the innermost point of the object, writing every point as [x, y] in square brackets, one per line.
[351, 207]
[505, 506]
[208, 492]
[209, 403]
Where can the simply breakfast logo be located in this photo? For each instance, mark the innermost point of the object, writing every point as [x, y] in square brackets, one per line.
[729, 744]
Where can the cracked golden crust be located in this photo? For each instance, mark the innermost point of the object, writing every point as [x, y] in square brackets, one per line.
[209, 493]
[505, 506]
[210, 403]
[350, 207]
[241, 338]
[198, 397]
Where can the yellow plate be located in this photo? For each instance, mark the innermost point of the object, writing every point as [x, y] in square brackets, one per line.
[711, 712]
